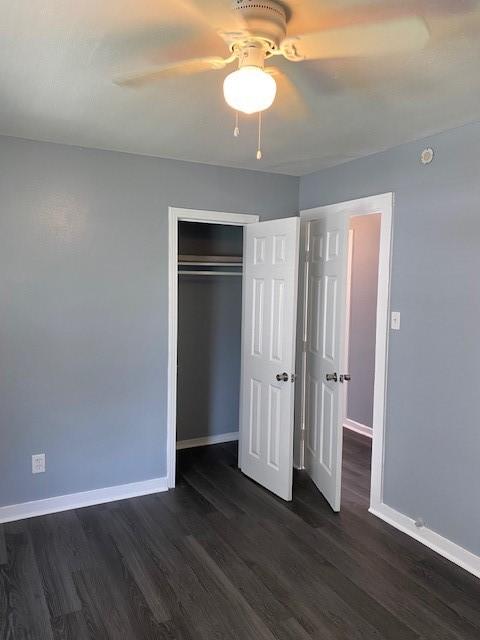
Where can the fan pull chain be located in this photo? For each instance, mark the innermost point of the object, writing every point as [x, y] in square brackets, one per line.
[259, 145]
[236, 131]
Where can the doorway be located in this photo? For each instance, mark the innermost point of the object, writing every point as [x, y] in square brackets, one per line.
[322, 360]
[360, 334]
[187, 264]
[269, 310]
[269, 377]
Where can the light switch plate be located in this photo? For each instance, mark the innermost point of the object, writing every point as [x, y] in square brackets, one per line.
[38, 463]
[395, 321]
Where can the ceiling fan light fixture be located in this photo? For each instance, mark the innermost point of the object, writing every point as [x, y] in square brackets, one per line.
[250, 89]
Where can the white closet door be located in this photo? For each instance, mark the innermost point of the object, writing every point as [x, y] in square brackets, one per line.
[326, 240]
[268, 353]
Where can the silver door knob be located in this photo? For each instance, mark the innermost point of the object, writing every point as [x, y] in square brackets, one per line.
[331, 377]
[345, 377]
[282, 377]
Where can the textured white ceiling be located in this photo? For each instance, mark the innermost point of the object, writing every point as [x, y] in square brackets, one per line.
[58, 59]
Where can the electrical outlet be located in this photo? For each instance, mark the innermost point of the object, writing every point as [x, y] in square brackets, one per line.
[38, 463]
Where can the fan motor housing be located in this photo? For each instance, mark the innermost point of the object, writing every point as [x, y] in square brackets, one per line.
[263, 20]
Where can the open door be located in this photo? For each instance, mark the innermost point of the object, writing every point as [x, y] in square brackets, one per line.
[268, 353]
[326, 243]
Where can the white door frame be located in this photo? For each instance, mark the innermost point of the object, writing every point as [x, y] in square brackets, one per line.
[176, 215]
[382, 204]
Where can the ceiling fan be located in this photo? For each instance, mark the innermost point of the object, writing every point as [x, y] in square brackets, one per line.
[257, 30]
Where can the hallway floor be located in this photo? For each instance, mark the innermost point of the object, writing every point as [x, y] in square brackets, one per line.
[220, 558]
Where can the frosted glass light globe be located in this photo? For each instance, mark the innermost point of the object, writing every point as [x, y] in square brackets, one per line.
[249, 89]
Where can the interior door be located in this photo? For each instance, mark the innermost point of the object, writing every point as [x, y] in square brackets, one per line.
[270, 275]
[326, 256]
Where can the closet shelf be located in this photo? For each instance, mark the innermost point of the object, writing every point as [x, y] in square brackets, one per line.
[209, 261]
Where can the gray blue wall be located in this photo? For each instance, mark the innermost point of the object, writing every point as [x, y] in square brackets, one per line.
[83, 307]
[432, 453]
[363, 317]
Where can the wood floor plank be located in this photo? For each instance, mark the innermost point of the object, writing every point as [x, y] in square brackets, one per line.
[291, 629]
[72, 626]
[138, 563]
[58, 587]
[175, 589]
[290, 581]
[368, 618]
[252, 626]
[377, 617]
[111, 584]
[366, 541]
[225, 555]
[101, 606]
[166, 536]
[420, 614]
[71, 541]
[7, 620]
[420, 601]
[416, 607]
[206, 488]
[3, 546]
[26, 613]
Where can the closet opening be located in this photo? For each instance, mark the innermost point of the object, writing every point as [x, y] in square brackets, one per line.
[205, 303]
[209, 334]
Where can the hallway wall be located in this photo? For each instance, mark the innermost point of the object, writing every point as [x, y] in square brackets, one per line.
[363, 312]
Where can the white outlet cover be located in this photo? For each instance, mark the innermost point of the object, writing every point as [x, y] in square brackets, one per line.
[38, 463]
[395, 321]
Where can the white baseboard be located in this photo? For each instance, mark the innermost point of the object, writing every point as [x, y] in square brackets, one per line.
[446, 548]
[358, 427]
[24, 510]
[202, 442]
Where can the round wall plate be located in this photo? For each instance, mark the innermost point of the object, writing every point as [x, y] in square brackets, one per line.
[427, 156]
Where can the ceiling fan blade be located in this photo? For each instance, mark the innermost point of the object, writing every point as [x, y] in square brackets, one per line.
[183, 68]
[383, 38]
[289, 102]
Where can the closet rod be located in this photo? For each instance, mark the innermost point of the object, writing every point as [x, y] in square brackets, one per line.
[209, 273]
[210, 264]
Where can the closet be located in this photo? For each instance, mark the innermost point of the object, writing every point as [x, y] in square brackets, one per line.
[210, 260]
[231, 358]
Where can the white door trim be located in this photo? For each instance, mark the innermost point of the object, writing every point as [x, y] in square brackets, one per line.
[348, 314]
[383, 204]
[176, 215]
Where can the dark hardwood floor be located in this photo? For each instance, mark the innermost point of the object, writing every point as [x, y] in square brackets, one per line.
[219, 557]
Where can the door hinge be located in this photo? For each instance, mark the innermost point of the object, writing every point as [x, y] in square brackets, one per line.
[304, 345]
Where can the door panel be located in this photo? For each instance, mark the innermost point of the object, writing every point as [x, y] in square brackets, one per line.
[326, 251]
[268, 349]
